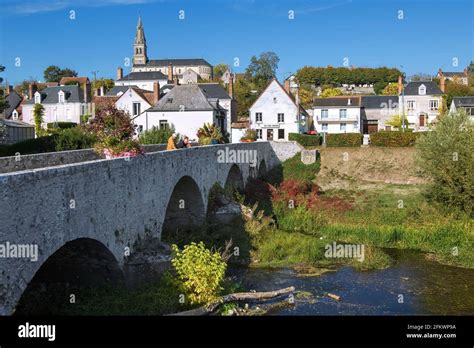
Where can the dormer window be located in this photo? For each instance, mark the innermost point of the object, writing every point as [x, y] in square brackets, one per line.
[61, 98]
[275, 100]
[37, 98]
[15, 115]
[422, 90]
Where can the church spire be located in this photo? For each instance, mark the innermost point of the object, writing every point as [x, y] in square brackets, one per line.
[139, 47]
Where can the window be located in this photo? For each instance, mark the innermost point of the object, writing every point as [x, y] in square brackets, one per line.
[37, 98]
[281, 117]
[411, 105]
[342, 127]
[136, 109]
[324, 127]
[164, 124]
[470, 111]
[259, 134]
[324, 113]
[422, 90]
[275, 100]
[281, 134]
[433, 104]
[343, 113]
[61, 96]
[15, 115]
[258, 117]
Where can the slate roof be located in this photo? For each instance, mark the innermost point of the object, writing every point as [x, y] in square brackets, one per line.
[114, 91]
[190, 96]
[453, 73]
[211, 90]
[14, 100]
[377, 101]
[144, 76]
[337, 102]
[73, 94]
[16, 123]
[431, 88]
[177, 62]
[464, 101]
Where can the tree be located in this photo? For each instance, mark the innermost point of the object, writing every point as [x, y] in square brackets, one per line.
[220, 69]
[3, 103]
[331, 92]
[390, 89]
[244, 95]
[38, 111]
[157, 135]
[306, 96]
[264, 67]
[446, 155]
[453, 89]
[396, 121]
[54, 73]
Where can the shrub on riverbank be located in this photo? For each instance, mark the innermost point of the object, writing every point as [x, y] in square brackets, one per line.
[394, 139]
[344, 139]
[306, 140]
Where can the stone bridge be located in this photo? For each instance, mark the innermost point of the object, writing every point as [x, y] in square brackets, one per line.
[103, 207]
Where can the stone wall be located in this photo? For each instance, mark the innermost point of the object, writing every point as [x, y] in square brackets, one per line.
[285, 149]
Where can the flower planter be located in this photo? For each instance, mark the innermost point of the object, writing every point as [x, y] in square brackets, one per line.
[127, 154]
[247, 140]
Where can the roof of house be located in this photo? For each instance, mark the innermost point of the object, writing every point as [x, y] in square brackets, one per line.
[211, 90]
[14, 100]
[81, 80]
[73, 94]
[190, 96]
[177, 62]
[16, 123]
[116, 90]
[431, 88]
[453, 73]
[378, 101]
[464, 101]
[337, 102]
[144, 76]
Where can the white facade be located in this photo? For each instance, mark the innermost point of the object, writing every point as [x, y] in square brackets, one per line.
[236, 134]
[340, 119]
[60, 112]
[184, 122]
[274, 114]
[420, 110]
[143, 84]
[135, 105]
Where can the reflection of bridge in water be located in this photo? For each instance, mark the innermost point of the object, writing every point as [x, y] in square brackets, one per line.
[98, 209]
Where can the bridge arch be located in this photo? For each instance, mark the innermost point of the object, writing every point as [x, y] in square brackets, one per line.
[235, 179]
[80, 263]
[185, 209]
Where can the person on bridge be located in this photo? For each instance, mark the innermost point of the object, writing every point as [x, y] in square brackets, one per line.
[171, 144]
[184, 143]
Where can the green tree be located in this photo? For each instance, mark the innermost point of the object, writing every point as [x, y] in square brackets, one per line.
[331, 92]
[454, 89]
[156, 135]
[54, 73]
[264, 67]
[3, 103]
[446, 155]
[245, 93]
[390, 89]
[220, 69]
[38, 111]
[396, 121]
[306, 95]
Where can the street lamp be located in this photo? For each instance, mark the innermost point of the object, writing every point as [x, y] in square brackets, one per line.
[403, 99]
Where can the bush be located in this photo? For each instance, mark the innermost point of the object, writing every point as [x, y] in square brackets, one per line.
[74, 139]
[306, 140]
[200, 272]
[344, 139]
[393, 139]
[30, 146]
[250, 135]
[61, 125]
[156, 135]
[446, 155]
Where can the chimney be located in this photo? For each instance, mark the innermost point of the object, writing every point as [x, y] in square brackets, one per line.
[156, 92]
[102, 91]
[176, 80]
[231, 85]
[170, 71]
[87, 91]
[287, 86]
[442, 84]
[9, 89]
[466, 71]
[119, 73]
[31, 90]
[400, 84]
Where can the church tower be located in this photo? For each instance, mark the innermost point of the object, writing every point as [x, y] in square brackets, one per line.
[139, 47]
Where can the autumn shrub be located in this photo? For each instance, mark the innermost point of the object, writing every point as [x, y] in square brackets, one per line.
[344, 139]
[200, 272]
[306, 140]
[394, 139]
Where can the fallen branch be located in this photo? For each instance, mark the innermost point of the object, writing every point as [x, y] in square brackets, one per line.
[238, 296]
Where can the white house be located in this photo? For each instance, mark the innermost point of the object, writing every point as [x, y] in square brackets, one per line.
[141, 79]
[466, 103]
[61, 104]
[337, 115]
[187, 107]
[275, 114]
[420, 103]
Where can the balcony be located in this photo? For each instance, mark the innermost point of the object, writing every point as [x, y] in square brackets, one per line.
[337, 118]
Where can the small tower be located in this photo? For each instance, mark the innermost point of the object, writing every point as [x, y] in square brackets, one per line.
[139, 47]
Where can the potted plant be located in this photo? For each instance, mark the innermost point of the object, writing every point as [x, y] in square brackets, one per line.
[114, 131]
[210, 134]
[249, 136]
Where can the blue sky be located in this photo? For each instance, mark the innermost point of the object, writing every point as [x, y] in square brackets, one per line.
[432, 34]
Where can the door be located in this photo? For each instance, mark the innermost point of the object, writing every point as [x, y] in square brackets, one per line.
[372, 128]
[422, 120]
[270, 134]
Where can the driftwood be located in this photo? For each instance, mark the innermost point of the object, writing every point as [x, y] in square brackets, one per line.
[238, 296]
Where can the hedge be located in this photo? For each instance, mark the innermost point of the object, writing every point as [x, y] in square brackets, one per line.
[393, 139]
[61, 125]
[344, 139]
[306, 139]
